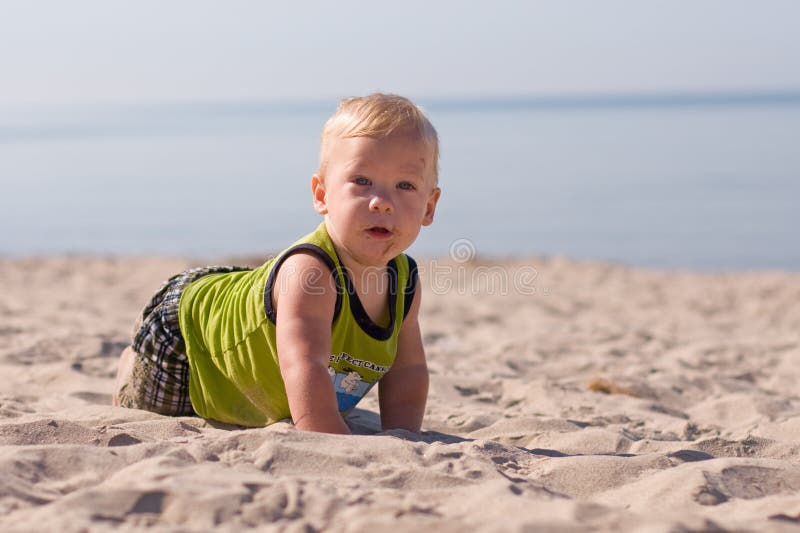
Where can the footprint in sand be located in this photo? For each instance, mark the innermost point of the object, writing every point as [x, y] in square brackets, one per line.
[746, 483]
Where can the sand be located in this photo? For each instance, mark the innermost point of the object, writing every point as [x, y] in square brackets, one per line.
[577, 397]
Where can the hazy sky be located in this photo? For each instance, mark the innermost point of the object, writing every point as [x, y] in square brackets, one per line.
[145, 50]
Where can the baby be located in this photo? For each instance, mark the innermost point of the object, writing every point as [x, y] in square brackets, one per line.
[308, 333]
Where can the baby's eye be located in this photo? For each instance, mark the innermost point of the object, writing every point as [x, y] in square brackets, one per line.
[361, 181]
[406, 186]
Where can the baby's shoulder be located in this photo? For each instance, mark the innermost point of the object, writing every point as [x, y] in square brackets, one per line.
[301, 261]
[304, 270]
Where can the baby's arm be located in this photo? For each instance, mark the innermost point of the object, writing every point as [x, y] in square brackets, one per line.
[404, 389]
[305, 296]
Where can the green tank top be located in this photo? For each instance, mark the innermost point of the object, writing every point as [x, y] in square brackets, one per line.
[228, 324]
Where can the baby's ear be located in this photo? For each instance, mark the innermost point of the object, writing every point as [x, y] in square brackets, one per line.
[430, 207]
[318, 193]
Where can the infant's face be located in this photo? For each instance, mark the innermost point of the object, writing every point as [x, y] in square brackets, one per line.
[375, 196]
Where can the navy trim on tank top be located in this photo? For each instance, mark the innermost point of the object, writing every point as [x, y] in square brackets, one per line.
[360, 315]
[411, 286]
[322, 254]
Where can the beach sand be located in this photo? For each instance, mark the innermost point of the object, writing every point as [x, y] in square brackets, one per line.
[565, 396]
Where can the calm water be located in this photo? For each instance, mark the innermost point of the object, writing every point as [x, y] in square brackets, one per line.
[662, 184]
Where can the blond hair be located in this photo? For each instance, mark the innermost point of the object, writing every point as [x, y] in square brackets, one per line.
[379, 115]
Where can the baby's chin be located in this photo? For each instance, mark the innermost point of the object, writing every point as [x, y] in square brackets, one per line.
[375, 255]
[378, 260]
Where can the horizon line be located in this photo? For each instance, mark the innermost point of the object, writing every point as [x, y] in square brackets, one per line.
[163, 112]
[659, 98]
[623, 100]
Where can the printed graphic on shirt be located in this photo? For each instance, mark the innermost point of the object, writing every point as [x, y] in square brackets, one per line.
[348, 383]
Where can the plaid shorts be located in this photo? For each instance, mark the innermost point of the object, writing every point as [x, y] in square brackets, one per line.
[159, 381]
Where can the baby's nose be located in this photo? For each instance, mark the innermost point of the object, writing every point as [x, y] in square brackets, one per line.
[380, 203]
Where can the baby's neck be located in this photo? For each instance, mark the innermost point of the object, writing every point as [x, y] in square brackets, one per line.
[371, 285]
[368, 280]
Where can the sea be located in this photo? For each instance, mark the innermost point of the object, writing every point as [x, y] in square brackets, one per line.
[702, 182]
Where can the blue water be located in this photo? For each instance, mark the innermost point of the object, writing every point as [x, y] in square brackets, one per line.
[705, 183]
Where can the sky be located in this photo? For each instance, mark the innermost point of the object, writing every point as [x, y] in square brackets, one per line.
[109, 51]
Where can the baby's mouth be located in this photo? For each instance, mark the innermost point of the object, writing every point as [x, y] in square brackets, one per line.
[379, 231]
